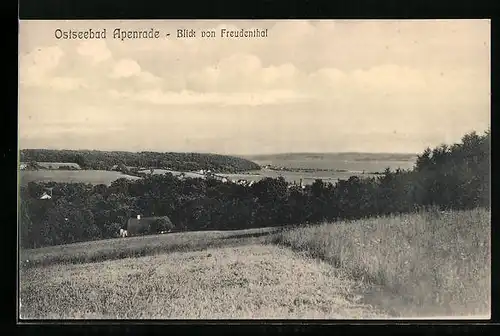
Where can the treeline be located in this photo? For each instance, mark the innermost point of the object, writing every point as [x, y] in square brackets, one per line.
[449, 177]
[104, 160]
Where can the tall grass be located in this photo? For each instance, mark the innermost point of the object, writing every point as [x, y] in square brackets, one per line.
[253, 281]
[432, 262]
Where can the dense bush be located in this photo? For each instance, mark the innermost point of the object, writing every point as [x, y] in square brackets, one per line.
[453, 177]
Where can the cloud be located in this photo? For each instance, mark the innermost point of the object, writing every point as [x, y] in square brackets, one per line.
[128, 68]
[58, 131]
[398, 82]
[355, 77]
[66, 83]
[241, 79]
[381, 80]
[390, 77]
[95, 50]
[37, 64]
[55, 117]
[243, 72]
[52, 68]
[37, 69]
[159, 97]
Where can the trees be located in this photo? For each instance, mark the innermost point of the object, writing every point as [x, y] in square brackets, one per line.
[162, 224]
[90, 159]
[456, 176]
[26, 231]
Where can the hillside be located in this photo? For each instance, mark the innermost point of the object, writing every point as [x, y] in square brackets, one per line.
[420, 264]
[254, 281]
[233, 274]
[415, 265]
[104, 160]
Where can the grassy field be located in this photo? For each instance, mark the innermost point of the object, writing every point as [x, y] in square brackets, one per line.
[411, 266]
[133, 247]
[419, 264]
[253, 281]
[70, 176]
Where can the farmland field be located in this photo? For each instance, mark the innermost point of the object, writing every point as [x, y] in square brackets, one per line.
[70, 176]
[422, 264]
[106, 177]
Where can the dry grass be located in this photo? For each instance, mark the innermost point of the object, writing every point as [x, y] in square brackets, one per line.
[119, 248]
[255, 281]
[419, 264]
[416, 265]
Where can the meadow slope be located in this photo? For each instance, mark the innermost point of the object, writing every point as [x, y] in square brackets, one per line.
[139, 246]
[424, 264]
[255, 281]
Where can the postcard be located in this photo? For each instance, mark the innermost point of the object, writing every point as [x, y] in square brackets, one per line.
[254, 169]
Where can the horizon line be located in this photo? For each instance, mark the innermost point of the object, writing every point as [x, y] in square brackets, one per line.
[219, 153]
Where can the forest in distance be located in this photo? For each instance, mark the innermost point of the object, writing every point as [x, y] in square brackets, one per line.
[449, 176]
[104, 160]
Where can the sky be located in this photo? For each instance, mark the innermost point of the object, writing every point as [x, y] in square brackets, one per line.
[309, 86]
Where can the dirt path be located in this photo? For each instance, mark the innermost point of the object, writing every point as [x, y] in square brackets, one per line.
[255, 281]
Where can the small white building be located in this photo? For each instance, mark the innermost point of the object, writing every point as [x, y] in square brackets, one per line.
[45, 196]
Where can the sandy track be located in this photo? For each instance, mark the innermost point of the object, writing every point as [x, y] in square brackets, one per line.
[255, 281]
